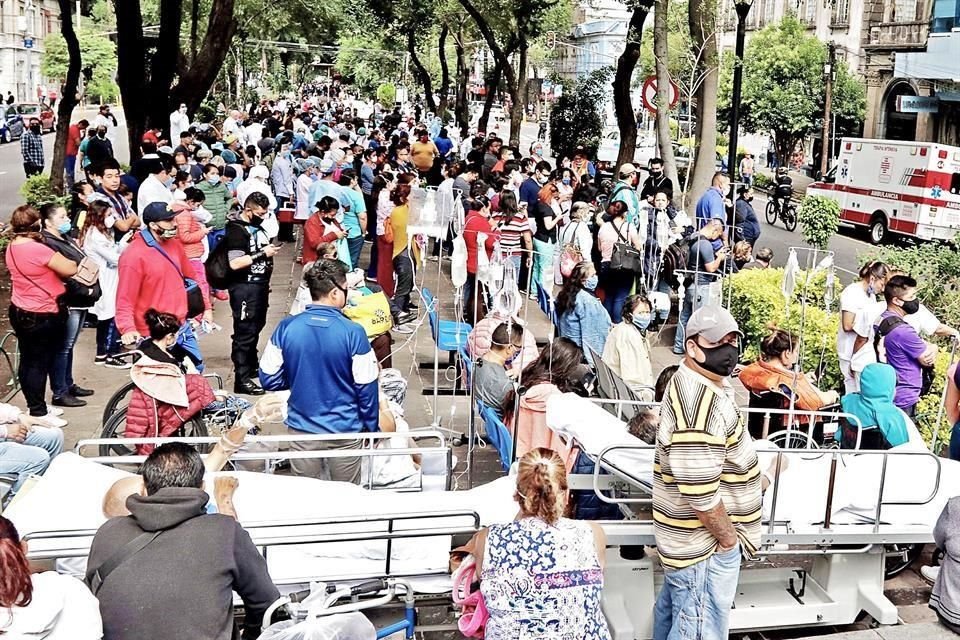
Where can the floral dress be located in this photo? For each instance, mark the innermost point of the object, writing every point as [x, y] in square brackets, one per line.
[542, 582]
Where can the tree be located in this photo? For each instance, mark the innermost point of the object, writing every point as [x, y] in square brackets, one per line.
[626, 63]
[783, 86]
[98, 57]
[68, 94]
[577, 117]
[702, 21]
[662, 120]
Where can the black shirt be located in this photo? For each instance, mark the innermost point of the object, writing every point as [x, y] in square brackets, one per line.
[243, 239]
[652, 185]
[541, 213]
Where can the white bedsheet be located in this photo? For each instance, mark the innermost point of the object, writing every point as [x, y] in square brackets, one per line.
[69, 497]
[802, 490]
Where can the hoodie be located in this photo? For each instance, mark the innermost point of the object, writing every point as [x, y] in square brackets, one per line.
[532, 426]
[62, 609]
[181, 584]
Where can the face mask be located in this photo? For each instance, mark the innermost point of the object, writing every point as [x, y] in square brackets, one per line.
[590, 284]
[213, 180]
[509, 361]
[654, 173]
[870, 290]
[168, 234]
[642, 321]
[911, 306]
[720, 360]
[256, 220]
[35, 128]
[64, 227]
[566, 181]
[168, 182]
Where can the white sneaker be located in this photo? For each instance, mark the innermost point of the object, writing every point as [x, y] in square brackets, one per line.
[51, 420]
[930, 574]
[54, 411]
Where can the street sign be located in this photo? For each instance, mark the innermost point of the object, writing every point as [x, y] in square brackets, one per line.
[28, 43]
[918, 104]
[649, 94]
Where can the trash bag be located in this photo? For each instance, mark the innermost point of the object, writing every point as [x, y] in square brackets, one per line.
[343, 626]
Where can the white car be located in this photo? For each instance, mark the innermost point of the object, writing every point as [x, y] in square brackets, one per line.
[610, 148]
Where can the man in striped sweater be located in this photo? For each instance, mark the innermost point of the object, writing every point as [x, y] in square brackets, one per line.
[706, 484]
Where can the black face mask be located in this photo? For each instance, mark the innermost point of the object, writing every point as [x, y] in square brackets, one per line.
[35, 128]
[720, 360]
[256, 220]
[910, 307]
[655, 173]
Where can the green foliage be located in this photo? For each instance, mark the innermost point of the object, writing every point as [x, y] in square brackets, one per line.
[783, 85]
[387, 95]
[577, 117]
[762, 181]
[98, 57]
[937, 271]
[366, 62]
[37, 191]
[819, 218]
[929, 405]
[757, 303]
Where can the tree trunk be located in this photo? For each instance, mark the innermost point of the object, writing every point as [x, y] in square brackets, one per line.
[194, 24]
[491, 82]
[131, 59]
[194, 82]
[443, 104]
[622, 104]
[68, 95]
[462, 110]
[517, 86]
[421, 71]
[163, 64]
[661, 55]
[702, 20]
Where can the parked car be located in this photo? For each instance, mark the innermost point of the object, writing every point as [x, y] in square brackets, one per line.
[681, 154]
[18, 115]
[610, 147]
[5, 134]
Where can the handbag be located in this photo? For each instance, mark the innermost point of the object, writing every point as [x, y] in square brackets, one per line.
[570, 255]
[372, 312]
[388, 230]
[625, 256]
[88, 272]
[195, 303]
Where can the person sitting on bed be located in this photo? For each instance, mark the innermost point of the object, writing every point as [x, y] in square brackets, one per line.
[586, 504]
[27, 444]
[558, 369]
[526, 596]
[874, 406]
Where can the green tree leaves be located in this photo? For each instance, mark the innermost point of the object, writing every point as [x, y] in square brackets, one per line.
[99, 62]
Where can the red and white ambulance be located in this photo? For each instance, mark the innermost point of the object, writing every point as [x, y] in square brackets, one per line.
[892, 187]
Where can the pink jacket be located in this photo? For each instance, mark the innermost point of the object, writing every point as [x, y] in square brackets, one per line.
[532, 430]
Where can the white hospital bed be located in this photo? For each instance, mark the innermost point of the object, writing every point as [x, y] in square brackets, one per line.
[840, 507]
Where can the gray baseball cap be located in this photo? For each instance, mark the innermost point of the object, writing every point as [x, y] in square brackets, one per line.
[713, 323]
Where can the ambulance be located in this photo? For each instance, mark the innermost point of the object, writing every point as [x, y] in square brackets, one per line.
[889, 187]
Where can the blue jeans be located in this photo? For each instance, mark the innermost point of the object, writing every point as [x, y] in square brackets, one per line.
[69, 168]
[616, 287]
[955, 442]
[108, 338]
[695, 602]
[694, 297]
[663, 287]
[61, 376]
[33, 455]
[356, 246]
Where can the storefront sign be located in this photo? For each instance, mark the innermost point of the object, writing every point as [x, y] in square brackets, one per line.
[918, 104]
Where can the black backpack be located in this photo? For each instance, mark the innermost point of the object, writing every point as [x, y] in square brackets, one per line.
[674, 259]
[217, 267]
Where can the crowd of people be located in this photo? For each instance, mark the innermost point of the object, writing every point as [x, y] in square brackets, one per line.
[143, 256]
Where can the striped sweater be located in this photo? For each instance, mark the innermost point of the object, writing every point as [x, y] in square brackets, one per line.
[704, 456]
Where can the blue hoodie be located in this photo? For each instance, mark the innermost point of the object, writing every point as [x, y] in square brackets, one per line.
[326, 362]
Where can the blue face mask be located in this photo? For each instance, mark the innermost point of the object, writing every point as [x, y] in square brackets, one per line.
[590, 284]
[566, 181]
[642, 321]
[213, 180]
[64, 227]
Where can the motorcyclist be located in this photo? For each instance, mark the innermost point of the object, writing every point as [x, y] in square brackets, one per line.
[783, 188]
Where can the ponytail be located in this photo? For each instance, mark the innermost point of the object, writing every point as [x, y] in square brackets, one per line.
[542, 485]
[16, 588]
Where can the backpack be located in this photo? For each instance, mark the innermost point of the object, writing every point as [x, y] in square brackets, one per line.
[570, 254]
[217, 267]
[887, 325]
[674, 259]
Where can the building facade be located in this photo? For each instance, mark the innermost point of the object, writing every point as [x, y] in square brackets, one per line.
[24, 26]
[595, 41]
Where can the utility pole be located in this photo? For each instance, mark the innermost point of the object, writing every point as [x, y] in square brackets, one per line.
[828, 72]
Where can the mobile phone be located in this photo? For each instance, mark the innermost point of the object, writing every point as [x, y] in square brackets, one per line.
[275, 242]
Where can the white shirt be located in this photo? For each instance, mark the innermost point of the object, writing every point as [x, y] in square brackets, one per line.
[152, 190]
[62, 609]
[866, 319]
[103, 121]
[249, 186]
[853, 299]
[179, 122]
[923, 321]
[304, 182]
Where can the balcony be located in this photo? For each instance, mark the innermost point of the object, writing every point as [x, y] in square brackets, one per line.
[899, 36]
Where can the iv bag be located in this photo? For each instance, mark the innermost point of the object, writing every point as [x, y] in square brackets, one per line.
[790, 276]
[458, 264]
[507, 301]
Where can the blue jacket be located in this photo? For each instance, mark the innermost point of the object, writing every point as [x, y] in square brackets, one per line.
[325, 360]
[746, 219]
[587, 323]
[586, 504]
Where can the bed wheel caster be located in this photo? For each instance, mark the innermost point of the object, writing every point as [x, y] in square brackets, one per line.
[458, 441]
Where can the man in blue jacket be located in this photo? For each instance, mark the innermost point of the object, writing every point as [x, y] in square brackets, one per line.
[326, 362]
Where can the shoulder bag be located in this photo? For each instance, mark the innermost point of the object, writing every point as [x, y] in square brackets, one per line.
[625, 256]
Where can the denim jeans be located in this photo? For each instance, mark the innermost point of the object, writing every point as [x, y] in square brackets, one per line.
[955, 442]
[695, 602]
[39, 336]
[356, 247]
[694, 297]
[403, 268]
[663, 287]
[61, 378]
[108, 338]
[32, 456]
[616, 287]
[543, 264]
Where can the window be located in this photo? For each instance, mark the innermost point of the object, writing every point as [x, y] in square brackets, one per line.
[769, 14]
[904, 10]
[811, 12]
[841, 12]
[946, 15]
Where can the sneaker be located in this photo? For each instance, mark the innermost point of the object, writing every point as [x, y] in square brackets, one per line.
[116, 363]
[53, 411]
[221, 295]
[50, 420]
[404, 318]
[434, 259]
[99, 360]
[68, 400]
[930, 574]
[403, 328]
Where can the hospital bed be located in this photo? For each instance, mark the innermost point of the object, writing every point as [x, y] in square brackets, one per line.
[839, 508]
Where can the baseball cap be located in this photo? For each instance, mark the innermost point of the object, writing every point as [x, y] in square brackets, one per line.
[626, 169]
[713, 322]
[259, 171]
[157, 212]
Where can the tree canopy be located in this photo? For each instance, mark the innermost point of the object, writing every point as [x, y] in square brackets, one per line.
[98, 62]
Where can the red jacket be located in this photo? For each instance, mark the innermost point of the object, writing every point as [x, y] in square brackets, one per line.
[148, 418]
[150, 281]
[474, 225]
[73, 140]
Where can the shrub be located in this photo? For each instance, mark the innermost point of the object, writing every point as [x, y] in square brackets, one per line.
[576, 118]
[937, 271]
[929, 405]
[757, 302]
[819, 218]
[387, 95]
[762, 181]
[37, 191]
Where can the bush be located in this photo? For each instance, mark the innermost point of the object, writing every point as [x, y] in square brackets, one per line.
[929, 405]
[762, 181]
[37, 191]
[819, 218]
[758, 302]
[387, 95]
[937, 271]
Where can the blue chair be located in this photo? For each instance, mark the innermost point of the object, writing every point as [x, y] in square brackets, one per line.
[546, 304]
[449, 335]
[498, 434]
[467, 364]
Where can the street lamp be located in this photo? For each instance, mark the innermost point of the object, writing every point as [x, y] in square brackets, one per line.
[743, 8]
